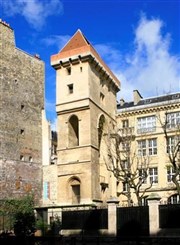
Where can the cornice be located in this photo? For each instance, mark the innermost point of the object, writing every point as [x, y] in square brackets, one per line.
[91, 57]
[127, 112]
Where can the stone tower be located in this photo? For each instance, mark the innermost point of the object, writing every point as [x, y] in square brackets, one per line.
[21, 105]
[85, 99]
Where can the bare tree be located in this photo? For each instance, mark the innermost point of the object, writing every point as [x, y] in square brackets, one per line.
[171, 128]
[129, 167]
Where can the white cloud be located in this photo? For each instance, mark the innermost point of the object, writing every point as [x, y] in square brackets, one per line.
[150, 67]
[34, 11]
[56, 40]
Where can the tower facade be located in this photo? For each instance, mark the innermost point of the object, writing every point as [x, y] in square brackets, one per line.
[85, 101]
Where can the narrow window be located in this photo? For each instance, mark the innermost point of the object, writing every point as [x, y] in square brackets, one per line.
[75, 189]
[30, 159]
[125, 186]
[70, 88]
[81, 69]
[75, 194]
[22, 131]
[125, 123]
[100, 129]
[68, 69]
[21, 157]
[73, 131]
[102, 97]
[46, 190]
[22, 107]
[153, 175]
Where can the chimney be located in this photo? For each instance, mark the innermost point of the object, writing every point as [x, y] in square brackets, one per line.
[137, 96]
[122, 101]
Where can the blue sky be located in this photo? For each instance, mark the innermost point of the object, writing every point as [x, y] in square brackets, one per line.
[138, 39]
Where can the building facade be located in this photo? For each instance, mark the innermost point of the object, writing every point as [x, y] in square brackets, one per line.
[21, 106]
[155, 124]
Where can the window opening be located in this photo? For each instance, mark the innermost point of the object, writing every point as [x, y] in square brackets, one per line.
[21, 157]
[100, 129]
[73, 131]
[70, 88]
[75, 194]
[22, 107]
[68, 69]
[146, 124]
[153, 175]
[22, 131]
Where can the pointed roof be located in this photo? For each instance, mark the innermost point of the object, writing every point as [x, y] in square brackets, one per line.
[77, 41]
[79, 46]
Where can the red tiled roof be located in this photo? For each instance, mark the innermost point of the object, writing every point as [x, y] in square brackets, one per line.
[77, 45]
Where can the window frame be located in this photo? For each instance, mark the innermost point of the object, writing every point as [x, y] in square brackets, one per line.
[146, 124]
[173, 119]
[153, 175]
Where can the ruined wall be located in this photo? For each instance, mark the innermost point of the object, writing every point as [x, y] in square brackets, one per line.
[21, 103]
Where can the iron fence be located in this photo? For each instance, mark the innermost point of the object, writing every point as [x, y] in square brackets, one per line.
[169, 216]
[133, 221]
[93, 219]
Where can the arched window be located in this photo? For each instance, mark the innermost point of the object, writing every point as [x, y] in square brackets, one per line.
[100, 129]
[73, 127]
[75, 190]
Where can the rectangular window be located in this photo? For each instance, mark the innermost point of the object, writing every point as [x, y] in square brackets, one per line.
[124, 164]
[152, 144]
[143, 175]
[153, 175]
[46, 190]
[125, 186]
[171, 173]
[142, 148]
[173, 119]
[70, 88]
[126, 146]
[75, 194]
[125, 123]
[147, 147]
[146, 124]
[173, 144]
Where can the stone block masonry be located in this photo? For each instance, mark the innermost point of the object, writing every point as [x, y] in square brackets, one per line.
[21, 104]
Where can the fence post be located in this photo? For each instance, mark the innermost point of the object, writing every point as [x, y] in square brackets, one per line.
[153, 203]
[112, 216]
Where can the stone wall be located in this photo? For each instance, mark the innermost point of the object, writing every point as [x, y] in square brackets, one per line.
[21, 103]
